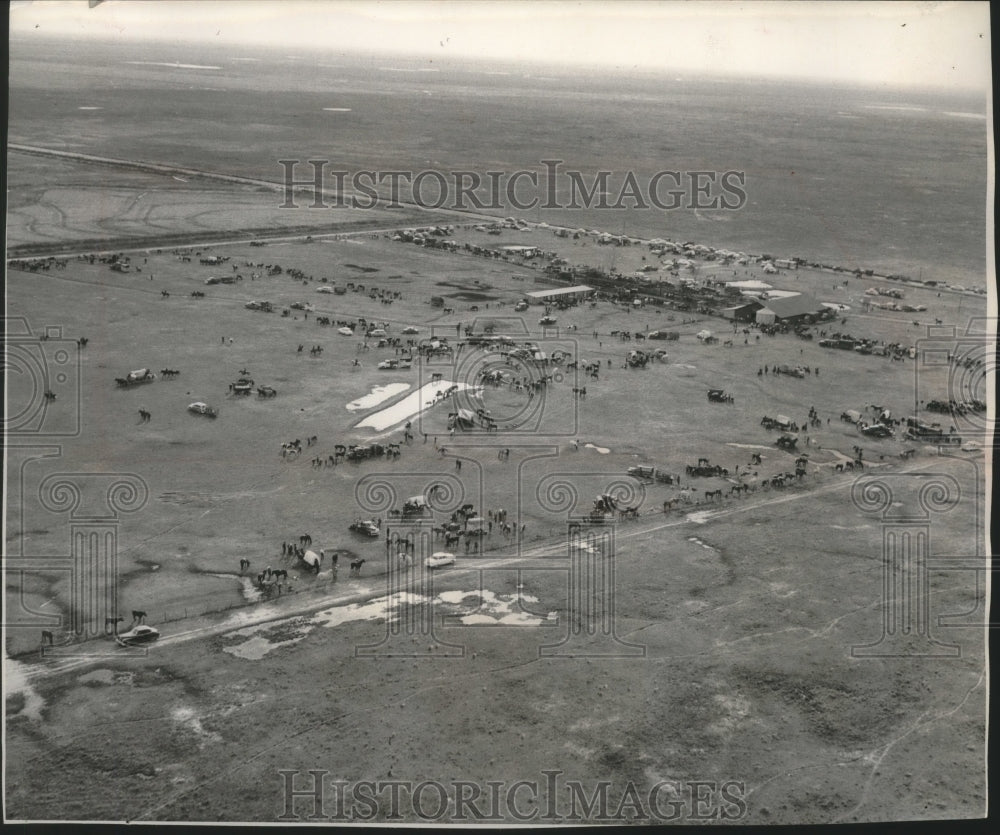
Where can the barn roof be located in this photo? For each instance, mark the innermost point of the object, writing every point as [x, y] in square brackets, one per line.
[798, 305]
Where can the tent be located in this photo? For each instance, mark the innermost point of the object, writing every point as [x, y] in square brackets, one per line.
[312, 560]
[462, 419]
[415, 504]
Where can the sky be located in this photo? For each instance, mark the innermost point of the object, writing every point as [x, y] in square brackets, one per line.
[923, 44]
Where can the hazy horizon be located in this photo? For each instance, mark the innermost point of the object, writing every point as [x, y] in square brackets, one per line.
[169, 50]
[892, 45]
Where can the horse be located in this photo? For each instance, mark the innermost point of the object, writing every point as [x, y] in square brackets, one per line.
[138, 616]
[280, 572]
[356, 567]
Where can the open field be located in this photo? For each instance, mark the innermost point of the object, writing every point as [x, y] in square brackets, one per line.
[746, 611]
[746, 676]
[82, 212]
[817, 647]
[828, 174]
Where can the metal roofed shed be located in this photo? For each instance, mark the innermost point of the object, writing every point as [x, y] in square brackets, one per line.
[788, 308]
[576, 290]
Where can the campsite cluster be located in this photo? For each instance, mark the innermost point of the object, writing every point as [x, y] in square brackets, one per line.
[484, 375]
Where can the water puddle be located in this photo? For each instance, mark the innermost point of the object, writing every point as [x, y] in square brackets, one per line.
[249, 590]
[187, 717]
[257, 646]
[174, 65]
[703, 544]
[409, 407]
[494, 609]
[382, 607]
[379, 394]
[16, 681]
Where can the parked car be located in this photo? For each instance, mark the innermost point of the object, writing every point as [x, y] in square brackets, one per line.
[641, 471]
[200, 408]
[137, 377]
[439, 560]
[366, 527]
[141, 634]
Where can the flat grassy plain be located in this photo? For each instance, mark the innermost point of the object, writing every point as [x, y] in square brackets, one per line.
[724, 646]
[745, 612]
[878, 178]
[76, 208]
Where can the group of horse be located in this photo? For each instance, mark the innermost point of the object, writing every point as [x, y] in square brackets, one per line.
[269, 580]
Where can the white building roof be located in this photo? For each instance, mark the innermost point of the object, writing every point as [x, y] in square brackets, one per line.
[562, 291]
